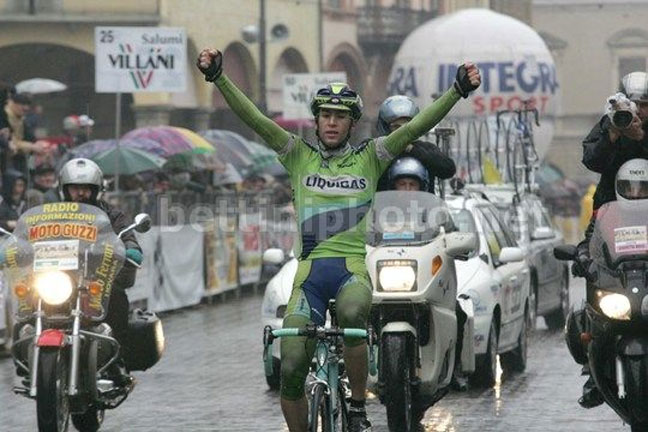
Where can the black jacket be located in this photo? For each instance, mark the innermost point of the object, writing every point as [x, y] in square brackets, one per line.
[119, 221]
[605, 158]
[11, 210]
[17, 161]
[438, 164]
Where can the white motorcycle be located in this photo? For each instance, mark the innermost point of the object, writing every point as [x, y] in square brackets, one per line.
[411, 247]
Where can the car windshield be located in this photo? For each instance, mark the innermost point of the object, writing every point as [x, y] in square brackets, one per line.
[403, 218]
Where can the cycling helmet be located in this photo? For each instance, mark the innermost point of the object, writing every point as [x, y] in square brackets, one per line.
[632, 180]
[635, 86]
[395, 107]
[337, 96]
[81, 171]
[410, 168]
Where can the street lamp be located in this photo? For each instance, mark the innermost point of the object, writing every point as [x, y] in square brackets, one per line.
[257, 33]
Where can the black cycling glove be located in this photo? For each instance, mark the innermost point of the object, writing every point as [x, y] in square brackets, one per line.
[462, 83]
[215, 69]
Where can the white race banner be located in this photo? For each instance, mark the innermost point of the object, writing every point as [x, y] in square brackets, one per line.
[140, 59]
[298, 89]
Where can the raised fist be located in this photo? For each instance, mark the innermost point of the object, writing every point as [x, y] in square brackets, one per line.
[210, 63]
[467, 79]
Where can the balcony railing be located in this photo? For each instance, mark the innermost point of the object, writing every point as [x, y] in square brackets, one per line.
[80, 11]
[388, 26]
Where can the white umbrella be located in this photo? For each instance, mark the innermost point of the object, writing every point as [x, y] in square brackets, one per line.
[40, 85]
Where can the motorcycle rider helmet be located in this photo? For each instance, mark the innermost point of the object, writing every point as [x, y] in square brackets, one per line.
[632, 180]
[337, 96]
[635, 86]
[81, 171]
[395, 107]
[409, 167]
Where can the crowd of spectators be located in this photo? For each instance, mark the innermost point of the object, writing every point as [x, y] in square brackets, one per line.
[30, 159]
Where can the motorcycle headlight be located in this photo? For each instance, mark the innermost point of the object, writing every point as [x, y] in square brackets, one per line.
[615, 306]
[54, 287]
[397, 276]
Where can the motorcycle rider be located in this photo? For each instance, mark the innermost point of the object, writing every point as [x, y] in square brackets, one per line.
[332, 182]
[631, 183]
[81, 180]
[394, 112]
[605, 149]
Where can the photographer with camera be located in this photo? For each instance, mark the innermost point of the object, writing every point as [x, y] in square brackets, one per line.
[619, 136]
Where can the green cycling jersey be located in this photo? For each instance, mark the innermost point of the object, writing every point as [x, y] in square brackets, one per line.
[332, 194]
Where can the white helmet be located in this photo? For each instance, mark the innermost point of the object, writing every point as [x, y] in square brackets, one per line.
[632, 180]
[81, 171]
[635, 86]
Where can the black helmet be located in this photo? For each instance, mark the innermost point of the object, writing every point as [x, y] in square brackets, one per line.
[337, 96]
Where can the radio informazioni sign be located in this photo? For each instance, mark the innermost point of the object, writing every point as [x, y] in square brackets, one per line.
[140, 59]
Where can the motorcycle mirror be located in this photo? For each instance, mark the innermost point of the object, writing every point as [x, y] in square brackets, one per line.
[565, 252]
[460, 244]
[142, 223]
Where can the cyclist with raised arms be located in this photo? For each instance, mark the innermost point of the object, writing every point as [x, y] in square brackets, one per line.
[333, 185]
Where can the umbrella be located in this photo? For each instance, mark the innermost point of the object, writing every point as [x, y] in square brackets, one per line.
[265, 160]
[193, 160]
[229, 148]
[91, 148]
[172, 139]
[40, 85]
[258, 158]
[131, 161]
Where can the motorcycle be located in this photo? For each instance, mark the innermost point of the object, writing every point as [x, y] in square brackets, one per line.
[613, 339]
[61, 262]
[410, 258]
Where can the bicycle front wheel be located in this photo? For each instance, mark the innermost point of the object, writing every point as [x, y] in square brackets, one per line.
[319, 410]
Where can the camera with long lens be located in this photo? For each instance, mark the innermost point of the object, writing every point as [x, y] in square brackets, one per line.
[621, 110]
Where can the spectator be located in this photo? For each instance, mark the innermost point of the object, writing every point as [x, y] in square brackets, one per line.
[22, 142]
[44, 188]
[13, 199]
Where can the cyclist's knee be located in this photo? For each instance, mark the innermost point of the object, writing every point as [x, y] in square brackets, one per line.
[293, 377]
[353, 315]
[294, 368]
[296, 353]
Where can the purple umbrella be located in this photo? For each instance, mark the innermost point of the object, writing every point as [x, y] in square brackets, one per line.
[92, 148]
[169, 138]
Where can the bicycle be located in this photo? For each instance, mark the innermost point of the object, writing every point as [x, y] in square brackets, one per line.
[521, 154]
[329, 386]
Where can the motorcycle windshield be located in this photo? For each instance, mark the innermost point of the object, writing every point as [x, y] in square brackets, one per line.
[71, 238]
[620, 233]
[406, 218]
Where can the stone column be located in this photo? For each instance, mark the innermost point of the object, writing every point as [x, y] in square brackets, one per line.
[152, 115]
[201, 118]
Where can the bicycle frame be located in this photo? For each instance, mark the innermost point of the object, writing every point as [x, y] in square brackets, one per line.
[326, 370]
[523, 133]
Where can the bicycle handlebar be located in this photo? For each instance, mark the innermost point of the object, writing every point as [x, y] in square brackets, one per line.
[314, 332]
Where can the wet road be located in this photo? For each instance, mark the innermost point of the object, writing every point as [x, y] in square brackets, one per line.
[211, 379]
